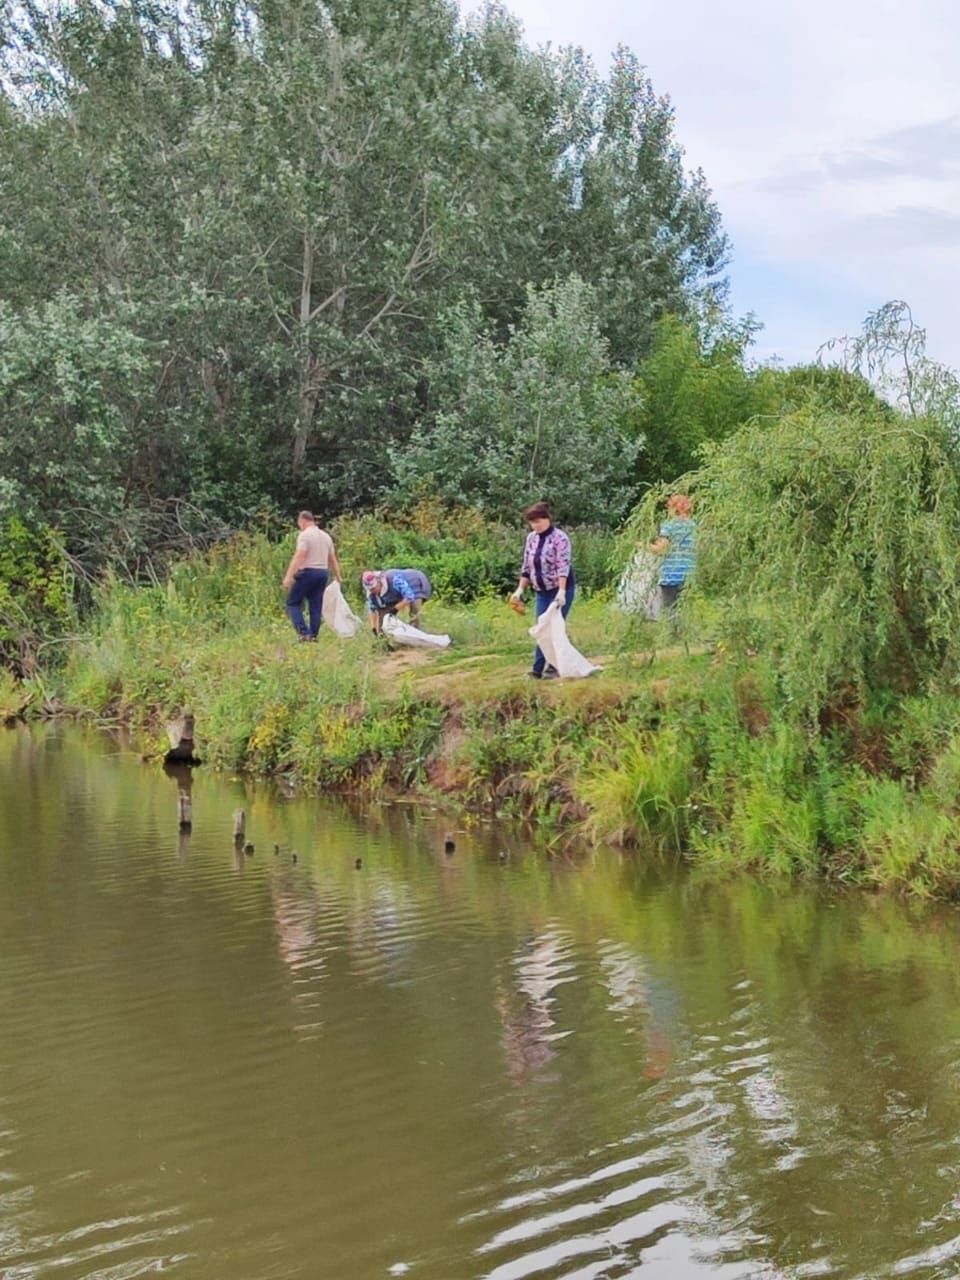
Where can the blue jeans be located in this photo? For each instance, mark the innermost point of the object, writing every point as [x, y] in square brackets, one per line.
[543, 601]
[309, 585]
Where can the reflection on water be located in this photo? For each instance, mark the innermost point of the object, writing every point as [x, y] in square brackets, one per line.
[281, 1064]
[525, 1004]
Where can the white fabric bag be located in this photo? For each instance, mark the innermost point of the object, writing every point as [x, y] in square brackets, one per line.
[638, 590]
[550, 633]
[403, 633]
[337, 613]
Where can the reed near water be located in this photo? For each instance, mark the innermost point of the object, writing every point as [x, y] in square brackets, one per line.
[804, 720]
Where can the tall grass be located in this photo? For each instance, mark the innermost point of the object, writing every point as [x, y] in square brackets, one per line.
[703, 754]
[641, 787]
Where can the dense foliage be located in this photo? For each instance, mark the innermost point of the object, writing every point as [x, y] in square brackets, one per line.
[235, 241]
[35, 593]
[519, 418]
[833, 542]
[465, 555]
[694, 387]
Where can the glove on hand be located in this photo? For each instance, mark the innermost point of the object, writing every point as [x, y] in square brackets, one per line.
[561, 597]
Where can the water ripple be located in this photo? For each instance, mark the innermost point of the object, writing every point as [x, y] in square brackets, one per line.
[234, 1066]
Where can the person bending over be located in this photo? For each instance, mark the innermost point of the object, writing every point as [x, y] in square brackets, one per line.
[389, 590]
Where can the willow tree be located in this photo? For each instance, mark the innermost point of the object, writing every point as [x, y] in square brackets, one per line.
[832, 542]
[891, 352]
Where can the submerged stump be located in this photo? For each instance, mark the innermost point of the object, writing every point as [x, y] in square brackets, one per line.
[180, 736]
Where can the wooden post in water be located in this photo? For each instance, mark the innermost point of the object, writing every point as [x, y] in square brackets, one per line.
[183, 777]
[239, 826]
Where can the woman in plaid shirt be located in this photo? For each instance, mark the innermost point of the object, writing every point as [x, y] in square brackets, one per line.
[547, 568]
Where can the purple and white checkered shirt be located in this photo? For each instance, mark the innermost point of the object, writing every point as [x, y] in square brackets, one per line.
[553, 557]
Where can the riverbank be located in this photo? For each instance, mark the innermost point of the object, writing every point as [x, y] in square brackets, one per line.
[681, 749]
[358, 716]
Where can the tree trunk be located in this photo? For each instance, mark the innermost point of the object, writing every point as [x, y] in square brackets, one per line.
[312, 377]
[219, 400]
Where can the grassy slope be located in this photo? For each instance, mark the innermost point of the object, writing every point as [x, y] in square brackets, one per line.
[684, 750]
[352, 714]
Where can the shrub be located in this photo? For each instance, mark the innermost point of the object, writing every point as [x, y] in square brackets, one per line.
[464, 555]
[906, 840]
[642, 787]
[35, 591]
[832, 542]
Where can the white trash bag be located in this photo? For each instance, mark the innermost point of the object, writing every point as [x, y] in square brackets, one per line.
[403, 633]
[337, 613]
[550, 633]
[638, 590]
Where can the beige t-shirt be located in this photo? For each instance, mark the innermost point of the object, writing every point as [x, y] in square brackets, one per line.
[318, 544]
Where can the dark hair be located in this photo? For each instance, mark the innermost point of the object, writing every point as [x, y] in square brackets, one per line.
[305, 515]
[539, 511]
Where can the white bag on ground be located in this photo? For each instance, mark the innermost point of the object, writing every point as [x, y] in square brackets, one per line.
[403, 633]
[638, 590]
[550, 633]
[337, 613]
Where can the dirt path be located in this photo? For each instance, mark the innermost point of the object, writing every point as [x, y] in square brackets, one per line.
[498, 667]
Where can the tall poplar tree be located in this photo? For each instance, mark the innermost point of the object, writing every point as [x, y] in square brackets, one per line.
[275, 204]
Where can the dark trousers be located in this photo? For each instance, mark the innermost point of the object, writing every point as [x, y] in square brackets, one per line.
[309, 585]
[542, 602]
[669, 595]
[669, 600]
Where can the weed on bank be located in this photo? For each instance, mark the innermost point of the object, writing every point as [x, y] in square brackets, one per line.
[794, 726]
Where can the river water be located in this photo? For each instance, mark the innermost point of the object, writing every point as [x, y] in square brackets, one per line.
[485, 1063]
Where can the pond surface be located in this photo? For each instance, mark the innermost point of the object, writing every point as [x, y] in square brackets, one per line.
[484, 1064]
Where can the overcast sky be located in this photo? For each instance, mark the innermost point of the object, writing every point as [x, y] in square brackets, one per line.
[829, 131]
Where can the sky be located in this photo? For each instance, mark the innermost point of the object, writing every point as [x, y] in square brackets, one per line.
[829, 131]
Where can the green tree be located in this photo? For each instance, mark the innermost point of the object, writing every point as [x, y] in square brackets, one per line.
[539, 415]
[645, 231]
[282, 201]
[832, 542]
[693, 387]
[72, 443]
[831, 387]
[891, 352]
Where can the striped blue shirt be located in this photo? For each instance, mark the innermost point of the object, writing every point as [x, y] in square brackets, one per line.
[678, 562]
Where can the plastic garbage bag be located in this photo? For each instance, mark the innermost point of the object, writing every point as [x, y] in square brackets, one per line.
[337, 613]
[638, 590]
[403, 633]
[550, 633]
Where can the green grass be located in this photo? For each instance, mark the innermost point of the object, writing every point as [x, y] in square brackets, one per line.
[672, 747]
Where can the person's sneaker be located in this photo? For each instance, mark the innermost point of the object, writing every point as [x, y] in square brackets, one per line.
[551, 673]
[535, 675]
[307, 639]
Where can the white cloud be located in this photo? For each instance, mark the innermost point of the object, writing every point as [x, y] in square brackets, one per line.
[830, 133]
